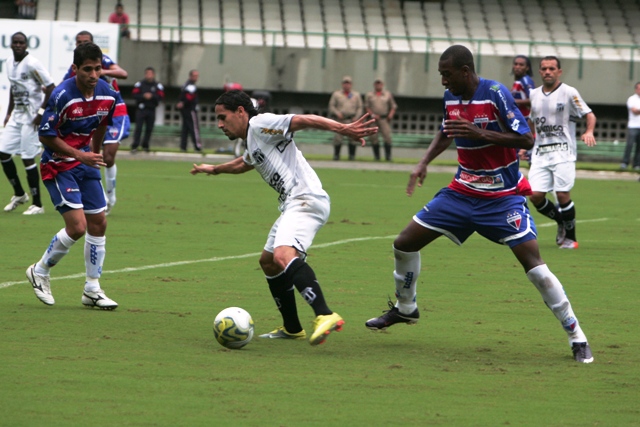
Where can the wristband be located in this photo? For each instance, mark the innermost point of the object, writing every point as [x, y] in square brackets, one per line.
[41, 111]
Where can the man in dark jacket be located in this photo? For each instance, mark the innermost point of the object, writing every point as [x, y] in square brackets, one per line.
[148, 93]
[188, 105]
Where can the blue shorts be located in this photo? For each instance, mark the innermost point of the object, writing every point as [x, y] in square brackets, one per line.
[78, 188]
[118, 131]
[505, 220]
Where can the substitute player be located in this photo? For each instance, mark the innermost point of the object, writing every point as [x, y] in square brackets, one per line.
[73, 126]
[27, 98]
[304, 205]
[555, 108]
[486, 195]
[121, 122]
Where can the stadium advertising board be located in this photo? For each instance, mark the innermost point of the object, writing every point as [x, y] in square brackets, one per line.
[52, 42]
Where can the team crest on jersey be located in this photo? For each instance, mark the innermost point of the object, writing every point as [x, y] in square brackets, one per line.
[24, 76]
[514, 219]
[258, 156]
[510, 114]
[559, 107]
[481, 120]
[113, 131]
[102, 111]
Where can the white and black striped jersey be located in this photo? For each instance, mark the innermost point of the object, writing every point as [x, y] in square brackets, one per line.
[273, 153]
[27, 78]
[554, 115]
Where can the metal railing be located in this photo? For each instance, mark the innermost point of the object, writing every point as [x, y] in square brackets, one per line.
[270, 37]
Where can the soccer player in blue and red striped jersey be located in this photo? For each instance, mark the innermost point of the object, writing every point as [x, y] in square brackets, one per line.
[72, 129]
[487, 194]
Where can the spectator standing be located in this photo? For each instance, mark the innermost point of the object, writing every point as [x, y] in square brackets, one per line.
[633, 131]
[188, 106]
[27, 100]
[345, 106]
[304, 204]
[119, 129]
[72, 129]
[555, 107]
[381, 107]
[121, 18]
[148, 93]
[486, 195]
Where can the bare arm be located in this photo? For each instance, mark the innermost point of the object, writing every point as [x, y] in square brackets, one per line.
[355, 130]
[9, 108]
[59, 146]
[235, 166]
[440, 143]
[587, 136]
[47, 94]
[115, 71]
[461, 128]
[98, 138]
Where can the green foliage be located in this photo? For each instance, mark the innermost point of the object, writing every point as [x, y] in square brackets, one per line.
[180, 248]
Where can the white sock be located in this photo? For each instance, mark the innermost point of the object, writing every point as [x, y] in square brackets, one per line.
[406, 276]
[554, 297]
[94, 253]
[58, 248]
[110, 182]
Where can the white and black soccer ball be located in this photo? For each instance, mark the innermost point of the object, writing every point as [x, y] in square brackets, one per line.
[233, 327]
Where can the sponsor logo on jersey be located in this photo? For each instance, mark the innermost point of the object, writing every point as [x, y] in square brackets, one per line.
[77, 111]
[515, 125]
[549, 148]
[258, 156]
[482, 181]
[73, 190]
[514, 219]
[272, 131]
[510, 114]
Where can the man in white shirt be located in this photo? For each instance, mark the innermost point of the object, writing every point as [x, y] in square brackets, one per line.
[555, 107]
[20, 137]
[304, 205]
[633, 131]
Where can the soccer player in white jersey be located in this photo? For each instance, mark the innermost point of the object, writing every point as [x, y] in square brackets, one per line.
[304, 205]
[555, 107]
[27, 100]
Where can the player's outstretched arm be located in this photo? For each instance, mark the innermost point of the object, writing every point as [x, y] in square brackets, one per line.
[355, 130]
[235, 166]
[115, 71]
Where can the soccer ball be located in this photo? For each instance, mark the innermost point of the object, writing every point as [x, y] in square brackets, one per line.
[233, 327]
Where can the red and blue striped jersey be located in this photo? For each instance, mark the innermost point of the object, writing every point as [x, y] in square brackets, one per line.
[487, 170]
[74, 119]
[520, 90]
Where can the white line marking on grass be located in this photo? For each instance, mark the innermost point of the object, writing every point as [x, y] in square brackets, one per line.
[582, 221]
[196, 261]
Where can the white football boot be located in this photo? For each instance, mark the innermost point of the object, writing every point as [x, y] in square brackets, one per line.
[41, 285]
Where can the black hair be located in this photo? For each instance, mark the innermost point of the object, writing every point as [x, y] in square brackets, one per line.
[236, 98]
[19, 33]
[460, 56]
[86, 51]
[85, 33]
[528, 62]
[551, 58]
[150, 69]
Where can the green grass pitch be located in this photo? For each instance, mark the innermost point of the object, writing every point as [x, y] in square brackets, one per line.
[486, 351]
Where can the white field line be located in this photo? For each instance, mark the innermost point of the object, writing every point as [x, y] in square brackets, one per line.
[196, 261]
[250, 255]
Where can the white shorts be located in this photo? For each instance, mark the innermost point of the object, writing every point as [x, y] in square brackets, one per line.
[558, 177]
[299, 222]
[22, 140]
